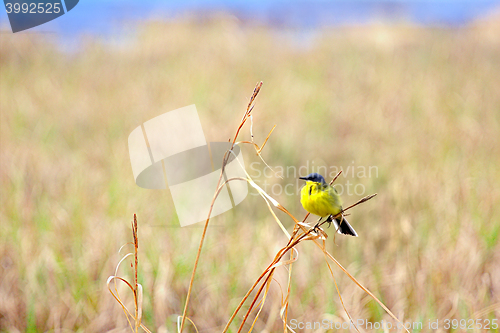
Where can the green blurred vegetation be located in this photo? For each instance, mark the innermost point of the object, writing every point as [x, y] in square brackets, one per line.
[420, 105]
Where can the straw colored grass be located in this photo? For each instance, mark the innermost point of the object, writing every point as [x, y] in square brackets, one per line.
[421, 105]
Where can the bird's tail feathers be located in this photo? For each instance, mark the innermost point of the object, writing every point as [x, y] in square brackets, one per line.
[342, 226]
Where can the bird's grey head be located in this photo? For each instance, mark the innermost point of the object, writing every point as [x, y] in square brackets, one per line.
[314, 177]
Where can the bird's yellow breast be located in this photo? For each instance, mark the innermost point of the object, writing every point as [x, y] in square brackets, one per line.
[321, 200]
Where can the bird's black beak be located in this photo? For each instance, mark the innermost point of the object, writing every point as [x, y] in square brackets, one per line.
[303, 178]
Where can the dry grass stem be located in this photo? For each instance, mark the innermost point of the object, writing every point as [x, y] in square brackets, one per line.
[134, 321]
[246, 115]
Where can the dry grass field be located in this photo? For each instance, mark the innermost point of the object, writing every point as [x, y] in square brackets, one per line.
[419, 107]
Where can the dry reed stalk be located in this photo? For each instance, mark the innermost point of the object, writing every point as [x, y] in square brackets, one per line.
[134, 286]
[246, 115]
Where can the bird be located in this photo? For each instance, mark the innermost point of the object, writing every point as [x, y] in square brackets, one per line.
[322, 199]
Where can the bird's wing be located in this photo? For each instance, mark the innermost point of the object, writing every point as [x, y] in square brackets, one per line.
[334, 199]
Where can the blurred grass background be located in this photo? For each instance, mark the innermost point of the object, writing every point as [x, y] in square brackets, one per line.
[422, 105]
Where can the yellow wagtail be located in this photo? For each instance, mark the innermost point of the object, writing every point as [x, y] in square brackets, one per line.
[322, 199]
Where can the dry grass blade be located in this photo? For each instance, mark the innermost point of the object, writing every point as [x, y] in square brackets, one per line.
[265, 141]
[179, 322]
[258, 149]
[138, 307]
[483, 312]
[365, 199]
[264, 284]
[135, 287]
[249, 110]
[338, 291]
[269, 271]
[267, 284]
[363, 288]
[284, 306]
[217, 191]
[335, 178]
